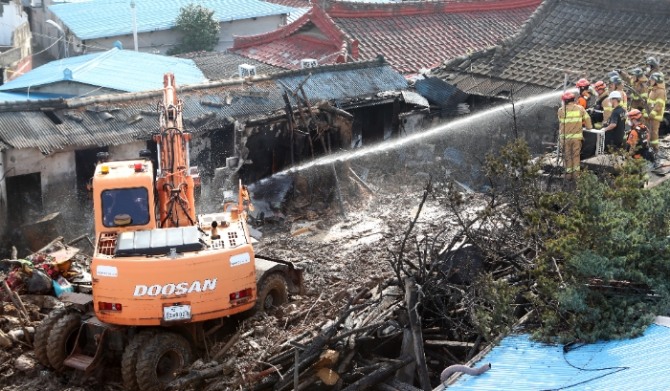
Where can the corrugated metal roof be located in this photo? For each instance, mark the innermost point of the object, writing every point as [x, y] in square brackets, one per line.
[102, 18]
[440, 92]
[121, 70]
[204, 109]
[521, 364]
[347, 84]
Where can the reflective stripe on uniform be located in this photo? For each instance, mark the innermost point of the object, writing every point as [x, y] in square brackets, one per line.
[572, 116]
[572, 136]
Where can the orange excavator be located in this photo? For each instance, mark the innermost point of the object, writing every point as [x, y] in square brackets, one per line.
[163, 278]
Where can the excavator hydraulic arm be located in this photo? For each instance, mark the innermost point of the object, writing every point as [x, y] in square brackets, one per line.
[174, 180]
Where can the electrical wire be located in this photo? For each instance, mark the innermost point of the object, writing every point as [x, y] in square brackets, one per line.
[567, 349]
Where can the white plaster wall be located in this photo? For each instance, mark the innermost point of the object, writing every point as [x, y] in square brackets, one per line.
[57, 176]
[247, 27]
[12, 17]
[159, 42]
[127, 151]
[72, 88]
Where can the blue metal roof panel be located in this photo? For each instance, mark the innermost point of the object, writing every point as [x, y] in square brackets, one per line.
[521, 364]
[122, 70]
[102, 18]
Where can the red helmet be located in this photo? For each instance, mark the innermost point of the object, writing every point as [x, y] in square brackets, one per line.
[582, 83]
[600, 85]
[568, 97]
[635, 114]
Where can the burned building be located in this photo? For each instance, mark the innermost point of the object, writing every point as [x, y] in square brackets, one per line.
[255, 126]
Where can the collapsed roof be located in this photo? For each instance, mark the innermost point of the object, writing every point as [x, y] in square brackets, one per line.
[122, 118]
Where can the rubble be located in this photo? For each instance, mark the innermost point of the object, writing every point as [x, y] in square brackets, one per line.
[350, 330]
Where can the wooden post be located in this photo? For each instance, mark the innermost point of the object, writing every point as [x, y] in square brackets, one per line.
[412, 302]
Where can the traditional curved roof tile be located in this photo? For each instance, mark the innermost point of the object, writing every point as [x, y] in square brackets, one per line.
[411, 34]
[570, 38]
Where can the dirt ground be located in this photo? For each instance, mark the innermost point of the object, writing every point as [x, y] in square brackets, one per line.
[341, 246]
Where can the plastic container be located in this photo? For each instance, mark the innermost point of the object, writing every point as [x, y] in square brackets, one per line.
[61, 285]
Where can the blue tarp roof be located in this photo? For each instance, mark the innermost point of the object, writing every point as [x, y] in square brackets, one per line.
[122, 70]
[103, 18]
[520, 364]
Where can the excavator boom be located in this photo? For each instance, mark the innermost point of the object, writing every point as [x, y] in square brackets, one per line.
[175, 182]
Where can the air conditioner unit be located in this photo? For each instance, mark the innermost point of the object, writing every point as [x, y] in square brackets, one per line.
[35, 3]
[308, 63]
[246, 70]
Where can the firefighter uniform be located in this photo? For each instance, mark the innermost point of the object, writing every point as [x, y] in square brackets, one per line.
[570, 118]
[656, 105]
[639, 93]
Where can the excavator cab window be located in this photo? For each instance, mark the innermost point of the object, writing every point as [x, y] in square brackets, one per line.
[123, 207]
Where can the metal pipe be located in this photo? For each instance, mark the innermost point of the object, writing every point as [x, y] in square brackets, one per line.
[448, 371]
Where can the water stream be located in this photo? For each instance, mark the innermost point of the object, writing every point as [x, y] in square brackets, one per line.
[460, 145]
[472, 135]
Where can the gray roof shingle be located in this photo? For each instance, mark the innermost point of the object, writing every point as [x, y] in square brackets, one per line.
[580, 38]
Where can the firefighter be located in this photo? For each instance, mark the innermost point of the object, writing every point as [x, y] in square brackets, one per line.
[616, 84]
[602, 109]
[570, 117]
[638, 82]
[637, 142]
[656, 106]
[653, 66]
[584, 92]
[616, 125]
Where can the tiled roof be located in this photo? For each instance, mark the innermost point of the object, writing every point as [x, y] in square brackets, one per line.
[102, 18]
[521, 364]
[115, 69]
[580, 38]
[410, 35]
[86, 121]
[217, 66]
[314, 35]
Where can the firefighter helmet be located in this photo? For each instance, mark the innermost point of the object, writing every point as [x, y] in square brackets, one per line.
[616, 80]
[600, 85]
[637, 72]
[612, 74]
[581, 83]
[615, 95]
[568, 97]
[652, 62]
[657, 77]
[635, 114]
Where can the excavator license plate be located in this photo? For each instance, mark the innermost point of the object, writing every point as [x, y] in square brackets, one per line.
[177, 312]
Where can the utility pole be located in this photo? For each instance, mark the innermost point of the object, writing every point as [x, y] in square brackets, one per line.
[61, 32]
[134, 14]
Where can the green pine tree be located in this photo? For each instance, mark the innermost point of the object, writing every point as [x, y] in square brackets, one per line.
[199, 30]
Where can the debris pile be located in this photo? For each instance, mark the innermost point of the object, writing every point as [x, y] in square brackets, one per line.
[28, 292]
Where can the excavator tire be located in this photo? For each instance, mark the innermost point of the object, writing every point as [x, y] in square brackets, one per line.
[129, 359]
[62, 338]
[161, 357]
[42, 332]
[272, 293]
